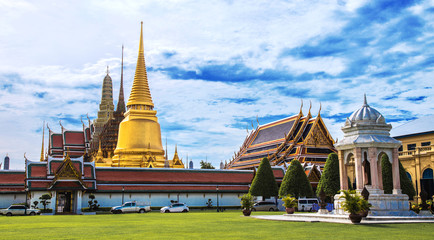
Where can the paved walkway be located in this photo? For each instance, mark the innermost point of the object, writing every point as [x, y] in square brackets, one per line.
[298, 217]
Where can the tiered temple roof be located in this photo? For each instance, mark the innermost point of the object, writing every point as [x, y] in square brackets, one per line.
[302, 137]
[76, 143]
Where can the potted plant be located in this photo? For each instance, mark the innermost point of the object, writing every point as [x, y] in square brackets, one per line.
[290, 203]
[246, 204]
[365, 206]
[354, 204]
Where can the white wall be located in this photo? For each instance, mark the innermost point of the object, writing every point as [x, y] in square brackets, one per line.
[163, 199]
[7, 199]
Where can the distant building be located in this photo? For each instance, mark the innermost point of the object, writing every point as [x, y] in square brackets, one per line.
[417, 152]
[297, 137]
[6, 163]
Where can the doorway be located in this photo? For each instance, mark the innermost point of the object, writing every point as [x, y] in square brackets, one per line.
[65, 202]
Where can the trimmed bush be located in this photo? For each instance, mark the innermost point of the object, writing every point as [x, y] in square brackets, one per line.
[330, 179]
[264, 184]
[295, 182]
[386, 170]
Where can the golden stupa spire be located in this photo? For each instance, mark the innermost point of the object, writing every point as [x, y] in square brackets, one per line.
[140, 93]
[42, 149]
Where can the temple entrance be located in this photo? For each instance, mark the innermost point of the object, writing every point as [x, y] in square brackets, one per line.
[64, 202]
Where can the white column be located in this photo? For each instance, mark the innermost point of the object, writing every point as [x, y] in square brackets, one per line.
[342, 171]
[395, 172]
[358, 168]
[372, 155]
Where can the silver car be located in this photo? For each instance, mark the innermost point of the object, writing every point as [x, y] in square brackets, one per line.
[19, 210]
[176, 207]
[264, 206]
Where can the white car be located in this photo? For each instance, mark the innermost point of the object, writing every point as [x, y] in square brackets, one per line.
[306, 204]
[19, 210]
[175, 207]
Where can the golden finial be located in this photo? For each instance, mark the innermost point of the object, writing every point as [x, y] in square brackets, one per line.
[301, 107]
[319, 111]
[42, 149]
[140, 93]
[107, 70]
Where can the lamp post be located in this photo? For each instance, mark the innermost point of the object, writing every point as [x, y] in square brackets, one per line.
[217, 190]
[123, 189]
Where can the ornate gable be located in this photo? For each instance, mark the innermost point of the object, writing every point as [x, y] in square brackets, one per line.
[317, 136]
[314, 175]
[67, 172]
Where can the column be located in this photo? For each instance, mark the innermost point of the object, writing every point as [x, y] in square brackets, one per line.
[372, 156]
[342, 171]
[395, 172]
[358, 168]
[380, 175]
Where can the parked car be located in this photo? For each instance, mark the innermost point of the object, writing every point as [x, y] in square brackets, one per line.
[175, 207]
[306, 204]
[19, 210]
[265, 206]
[131, 207]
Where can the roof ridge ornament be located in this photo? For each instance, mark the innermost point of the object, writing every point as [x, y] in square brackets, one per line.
[301, 107]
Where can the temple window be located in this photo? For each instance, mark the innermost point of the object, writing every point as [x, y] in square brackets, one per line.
[411, 147]
[400, 149]
[424, 144]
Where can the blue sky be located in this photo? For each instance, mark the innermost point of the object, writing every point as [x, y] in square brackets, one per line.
[213, 66]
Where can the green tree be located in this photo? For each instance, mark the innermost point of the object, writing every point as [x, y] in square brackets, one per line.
[330, 176]
[295, 182]
[45, 200]
[386, 171]
[206, 165]
[406, 184]
[264, 184]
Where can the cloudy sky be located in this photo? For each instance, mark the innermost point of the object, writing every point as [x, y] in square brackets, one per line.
[213, 66]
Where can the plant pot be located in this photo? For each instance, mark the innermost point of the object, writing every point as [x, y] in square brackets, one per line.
[247, 212]
[355, 218]
[290, 210]
[364, 213]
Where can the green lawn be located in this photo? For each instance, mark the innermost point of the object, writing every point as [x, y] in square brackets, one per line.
[196, 225]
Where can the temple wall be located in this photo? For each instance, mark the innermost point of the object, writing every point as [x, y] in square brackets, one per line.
[7, 199]
[163, 199]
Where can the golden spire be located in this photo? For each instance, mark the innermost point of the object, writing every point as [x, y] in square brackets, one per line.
[140, 93]
[42, 149]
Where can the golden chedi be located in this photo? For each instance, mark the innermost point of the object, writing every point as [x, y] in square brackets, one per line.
[139, 139]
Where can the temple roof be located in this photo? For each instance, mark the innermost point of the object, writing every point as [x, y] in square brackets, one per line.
[298, 136]
[365, 115]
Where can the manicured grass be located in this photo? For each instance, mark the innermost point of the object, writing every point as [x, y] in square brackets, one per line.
[196, 225]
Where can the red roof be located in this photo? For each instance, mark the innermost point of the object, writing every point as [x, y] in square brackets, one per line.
[57, 141]
[74, 138]
[172, 176]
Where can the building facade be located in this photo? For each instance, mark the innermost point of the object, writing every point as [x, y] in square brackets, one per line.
[417, 152]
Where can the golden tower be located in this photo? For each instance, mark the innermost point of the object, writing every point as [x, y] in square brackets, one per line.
[139, 139]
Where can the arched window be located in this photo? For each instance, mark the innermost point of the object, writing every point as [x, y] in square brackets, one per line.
[408, 175]
[427, 174]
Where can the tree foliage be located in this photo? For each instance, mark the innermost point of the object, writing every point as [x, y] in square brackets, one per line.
[295, 182]
[264, 184]
[45, 199]
[206, 165]
[330, 179]
[386, 171]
